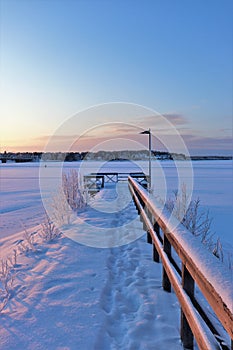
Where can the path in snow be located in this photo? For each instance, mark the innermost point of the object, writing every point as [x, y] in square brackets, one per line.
[110, 221]
[70, 296]
[134, 304]
[133, 317]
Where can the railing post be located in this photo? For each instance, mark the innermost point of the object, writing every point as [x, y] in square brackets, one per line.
[185, 330]
[167, 249]
[143, 206]
[149, 239]
[155, 252]
[143, 222]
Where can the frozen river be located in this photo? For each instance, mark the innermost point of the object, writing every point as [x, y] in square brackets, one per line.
[21, 200]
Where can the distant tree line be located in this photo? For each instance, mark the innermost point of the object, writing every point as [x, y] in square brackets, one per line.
[100, 155]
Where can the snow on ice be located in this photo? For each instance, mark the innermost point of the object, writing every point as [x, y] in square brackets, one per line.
[67, 295]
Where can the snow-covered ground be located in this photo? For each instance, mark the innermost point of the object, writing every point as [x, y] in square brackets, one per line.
[70, 296]
[213, 184]
[67, 295]
[20, 197]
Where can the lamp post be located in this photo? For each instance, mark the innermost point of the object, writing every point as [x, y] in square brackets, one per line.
[148, 132]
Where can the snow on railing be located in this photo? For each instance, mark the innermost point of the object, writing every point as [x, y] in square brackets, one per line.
[198, 266]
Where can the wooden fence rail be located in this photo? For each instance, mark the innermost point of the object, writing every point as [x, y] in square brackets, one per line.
[95, 181]
[197, 266]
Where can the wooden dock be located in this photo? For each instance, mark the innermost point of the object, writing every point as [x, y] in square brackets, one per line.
[95, 181]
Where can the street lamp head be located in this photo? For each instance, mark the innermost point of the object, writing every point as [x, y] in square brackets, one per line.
[145, 132]
[148, 133]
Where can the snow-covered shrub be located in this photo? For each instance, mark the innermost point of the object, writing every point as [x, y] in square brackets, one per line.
[60, 212]
[28, 242]
[23, 248]
[217, 249]
[195, 219]
[71, 196]
[13, 260]
[6, 283]
[179, 204]
[48, 230]
[75, 192]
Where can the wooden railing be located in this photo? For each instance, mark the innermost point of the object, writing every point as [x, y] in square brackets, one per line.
[196, 265]
[98, 180]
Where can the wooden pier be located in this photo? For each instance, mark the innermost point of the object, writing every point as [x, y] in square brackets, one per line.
[183, 270]
[95, 181]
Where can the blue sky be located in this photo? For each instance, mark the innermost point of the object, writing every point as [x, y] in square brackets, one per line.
[59, 57]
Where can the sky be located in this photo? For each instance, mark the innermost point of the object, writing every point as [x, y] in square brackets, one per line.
[60, 57]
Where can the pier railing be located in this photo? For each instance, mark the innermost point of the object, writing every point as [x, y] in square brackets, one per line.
[196, 265]
[96, 181]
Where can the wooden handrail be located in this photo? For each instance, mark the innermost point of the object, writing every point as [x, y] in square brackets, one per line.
[198, 265]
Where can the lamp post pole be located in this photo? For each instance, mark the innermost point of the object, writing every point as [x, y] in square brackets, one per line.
[148, 132]
[149, 161]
